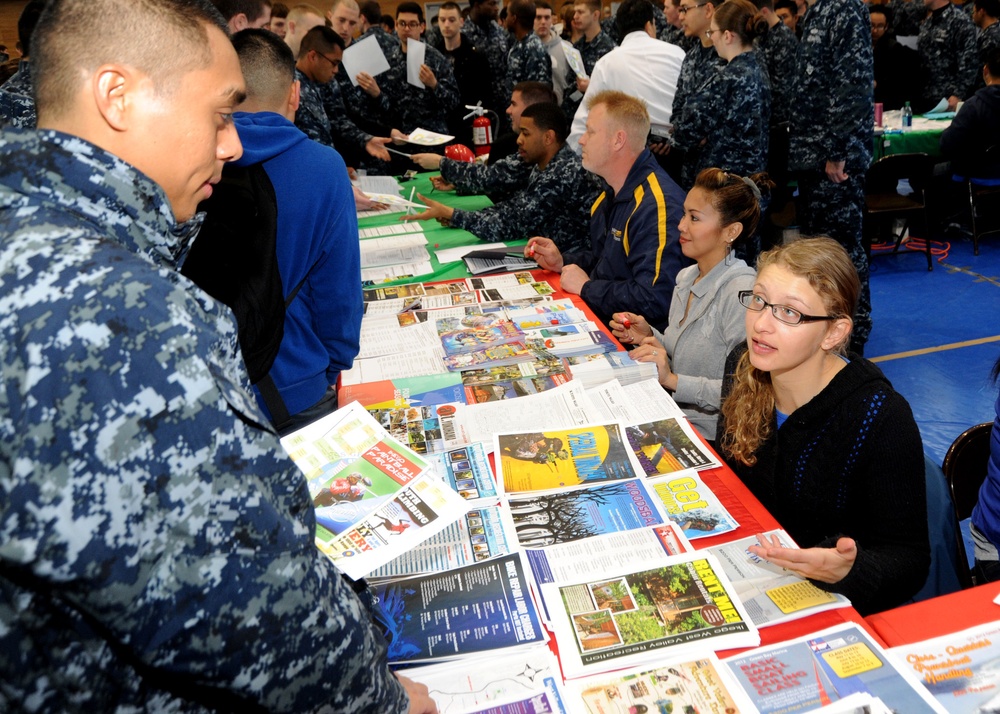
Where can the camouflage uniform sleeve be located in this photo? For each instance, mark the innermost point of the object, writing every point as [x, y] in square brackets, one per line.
[446, 92]
[508, 174]
[511, 219]
[845, 105]
[311, 118]
[966, 57]
[539, 65]
[341, 127]
[702, 114]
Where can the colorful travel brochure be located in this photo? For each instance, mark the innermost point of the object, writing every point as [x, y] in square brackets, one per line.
[541, 460]
[375, 499]
[667, 446]
[692, 505]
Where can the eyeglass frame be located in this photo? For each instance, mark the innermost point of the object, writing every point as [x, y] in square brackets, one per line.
[710, 31]
[681, 10]
[336, 63]
[749, 294]
[409, 25]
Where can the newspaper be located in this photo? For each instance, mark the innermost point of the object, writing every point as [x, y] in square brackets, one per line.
[375, 499]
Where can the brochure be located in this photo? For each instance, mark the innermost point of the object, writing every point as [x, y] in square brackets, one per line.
[467, 470]
[675, 606]
[550, 459]
[806, 673]
[667, 446]
[475, 332]
[474, 609]
[426, 430]
[960, 670]
[692, 505]
[677, 685]
[772, 594]
[374, 498]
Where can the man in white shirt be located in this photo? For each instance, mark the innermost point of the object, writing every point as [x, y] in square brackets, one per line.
[642, 66]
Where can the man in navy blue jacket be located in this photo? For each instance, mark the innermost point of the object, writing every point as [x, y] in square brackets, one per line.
[634, 253]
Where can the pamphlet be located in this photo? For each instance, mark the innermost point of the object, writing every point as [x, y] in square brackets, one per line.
[668, 446]
[425, 137]
[960, 670]
[803, 674]
[692, 505]
[364, 56]
[415, 51]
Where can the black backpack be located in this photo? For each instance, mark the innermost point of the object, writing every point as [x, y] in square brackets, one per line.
[233, 259]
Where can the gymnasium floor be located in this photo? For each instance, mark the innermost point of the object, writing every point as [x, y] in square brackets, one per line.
[936, 335]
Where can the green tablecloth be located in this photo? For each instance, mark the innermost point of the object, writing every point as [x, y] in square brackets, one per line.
[438, 237]
[924, 137]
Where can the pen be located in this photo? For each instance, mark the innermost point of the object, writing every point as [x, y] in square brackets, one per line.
[400, 153]
[626, 323]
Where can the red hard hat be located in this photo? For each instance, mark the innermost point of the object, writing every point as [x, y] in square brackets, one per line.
[459, 152]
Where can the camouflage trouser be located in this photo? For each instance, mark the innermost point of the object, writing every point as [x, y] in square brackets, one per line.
[836, 210]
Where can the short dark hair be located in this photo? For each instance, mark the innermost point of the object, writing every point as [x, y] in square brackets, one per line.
[321, 39]
[411, 8]
[791, 6]
[883, 10]
[548, 116]
[253, 9]
[372, 12]
[632, 16]
[993, 62]
[26, 24]
[279, 10]
[450, 5]
[165, 39]
[542, 5]
[535, 92]
[990, 7]
[267, 63]
[389, 22]
[523, 11]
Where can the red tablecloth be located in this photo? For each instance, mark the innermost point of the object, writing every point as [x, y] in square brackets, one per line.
[938, 616]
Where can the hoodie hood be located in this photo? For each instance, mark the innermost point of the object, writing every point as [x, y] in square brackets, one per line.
[264, 136]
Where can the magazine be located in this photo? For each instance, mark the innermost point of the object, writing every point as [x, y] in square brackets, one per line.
[428, 390]
[803, 674]
[467, 470]
[492, 384]
[426, 430]
[677, 685]
[961, 670]
[475, 332]
[494, 356]
[672, 606]
[474, 609]
[572, 514]
[539, 460]
[692, 505]
[667, 446]
[770, 593]
[375, 499]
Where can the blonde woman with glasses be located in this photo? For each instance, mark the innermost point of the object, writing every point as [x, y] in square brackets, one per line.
[820, 437]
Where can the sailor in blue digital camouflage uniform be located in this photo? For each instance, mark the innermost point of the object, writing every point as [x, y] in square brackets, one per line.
[17, 100]
[592, 45]
[725, 124]
[778, 50]
[156, 545]
[986, 15]
[527, 60]
[483, 33]
[634, 254]
[555, 200]
[831, 133]
[947, 48]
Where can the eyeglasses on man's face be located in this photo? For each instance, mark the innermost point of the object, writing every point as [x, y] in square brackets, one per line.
[782, 313]
[684, 9]
[335, 63]
[408, 25]
[709, 32]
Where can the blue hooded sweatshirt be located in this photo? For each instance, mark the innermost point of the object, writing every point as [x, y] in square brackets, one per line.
[317, 241]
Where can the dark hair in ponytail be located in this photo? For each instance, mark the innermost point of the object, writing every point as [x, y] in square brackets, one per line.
[737, 199]
[742, 18]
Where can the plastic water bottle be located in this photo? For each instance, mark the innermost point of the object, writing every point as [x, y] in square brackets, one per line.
[907, 117]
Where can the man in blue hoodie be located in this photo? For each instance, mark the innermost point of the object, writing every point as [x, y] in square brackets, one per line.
[317, 241]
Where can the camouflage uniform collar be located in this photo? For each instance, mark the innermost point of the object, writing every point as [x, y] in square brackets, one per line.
[97, 187]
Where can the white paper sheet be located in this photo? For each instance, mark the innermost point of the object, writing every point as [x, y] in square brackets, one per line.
[450, 255]
[574, 59]
[386, 273]
[415, 51]
[426, 137]
[393, 229]
[364, 56]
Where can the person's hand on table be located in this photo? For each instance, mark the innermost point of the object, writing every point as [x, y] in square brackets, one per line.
[376, 147]
[363, 202]
[420, 698]
[399, 137]
[368, 84]
[427, 161]
[440, 184]
[545, 253]
[650, 350]
[629, 328]
[427, 77]
[827, 565]
[953, 101]
[835, 171]
[572, 279]
[434, 210]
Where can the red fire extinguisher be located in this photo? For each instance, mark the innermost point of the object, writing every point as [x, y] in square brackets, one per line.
[482, 128]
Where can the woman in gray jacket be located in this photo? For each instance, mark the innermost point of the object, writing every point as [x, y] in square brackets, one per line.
[706, 317]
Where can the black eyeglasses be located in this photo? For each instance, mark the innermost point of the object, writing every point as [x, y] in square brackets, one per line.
[682, 10]
[408, 25]
[335, 63]
[782, 313]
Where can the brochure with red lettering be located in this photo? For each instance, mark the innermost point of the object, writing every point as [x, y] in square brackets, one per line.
[375, 498]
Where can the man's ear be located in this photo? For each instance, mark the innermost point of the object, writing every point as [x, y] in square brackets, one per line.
[238, 22]
[294, 98]
[114, 88]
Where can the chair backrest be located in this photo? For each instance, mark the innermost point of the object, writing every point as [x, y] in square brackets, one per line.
[887, 172]
[965, 467]
[949, 569]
